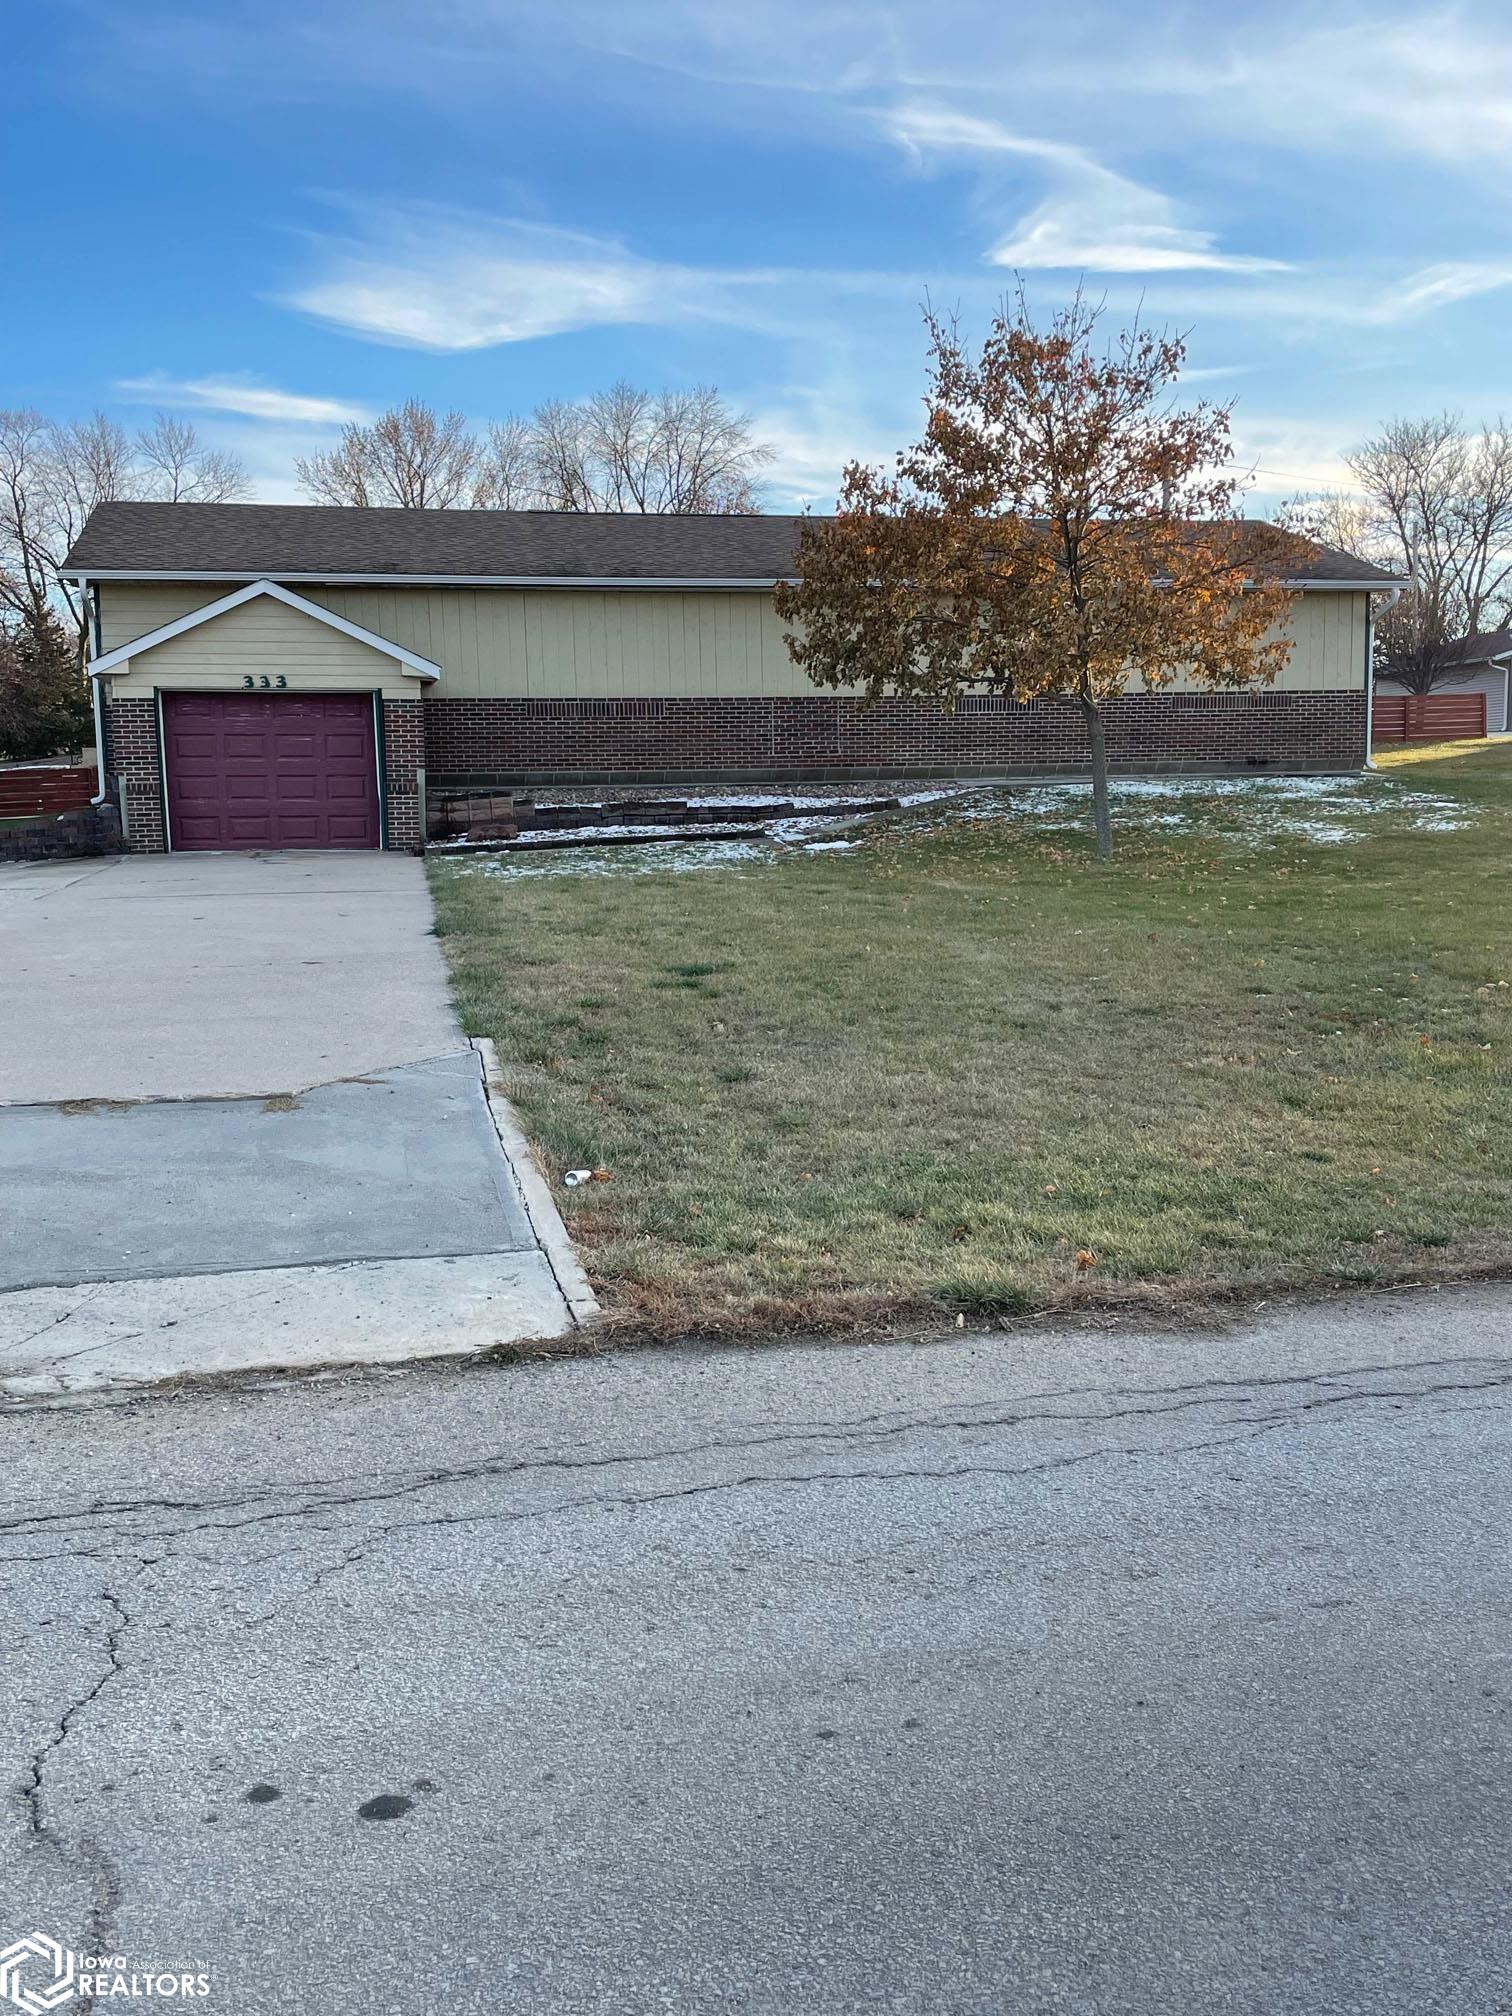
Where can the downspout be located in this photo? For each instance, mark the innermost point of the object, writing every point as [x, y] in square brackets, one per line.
[99, 728]
[92, 603]
[1504, 660]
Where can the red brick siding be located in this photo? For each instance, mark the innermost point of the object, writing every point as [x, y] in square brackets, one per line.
[134, 754]
[608, 740]
[403, 754]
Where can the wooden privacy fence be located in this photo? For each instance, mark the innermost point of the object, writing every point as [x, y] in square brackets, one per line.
[27, 793]
[1427, 717]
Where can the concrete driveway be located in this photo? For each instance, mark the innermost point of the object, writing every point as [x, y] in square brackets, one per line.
[240, 1125]
[176, 976]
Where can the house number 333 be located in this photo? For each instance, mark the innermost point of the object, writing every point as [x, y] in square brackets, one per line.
[263, 682]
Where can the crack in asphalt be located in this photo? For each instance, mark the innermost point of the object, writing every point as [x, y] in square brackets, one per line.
[313, 1521]
[316, 1496]
[88, 1852]
[302, 1535]
[318, 1513]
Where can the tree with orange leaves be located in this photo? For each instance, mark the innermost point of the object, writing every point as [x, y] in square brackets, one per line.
[1062, 528]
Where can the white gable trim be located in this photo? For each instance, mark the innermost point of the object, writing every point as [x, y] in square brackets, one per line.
[421, 667]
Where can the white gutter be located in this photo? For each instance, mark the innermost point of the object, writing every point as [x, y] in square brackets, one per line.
[600, 582]
[597, 581]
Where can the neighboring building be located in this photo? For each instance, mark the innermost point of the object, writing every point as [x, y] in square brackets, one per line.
[1480, 665]
[299, 675]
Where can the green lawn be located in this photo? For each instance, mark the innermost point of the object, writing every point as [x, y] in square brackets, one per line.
[961, 1066]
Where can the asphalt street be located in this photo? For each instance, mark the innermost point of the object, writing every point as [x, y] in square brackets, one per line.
[1118, 1672]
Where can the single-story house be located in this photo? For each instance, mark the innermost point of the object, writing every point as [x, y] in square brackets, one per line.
[1475, 666]
[299, 675]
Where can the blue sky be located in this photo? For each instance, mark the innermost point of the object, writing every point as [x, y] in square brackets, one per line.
[272, 216]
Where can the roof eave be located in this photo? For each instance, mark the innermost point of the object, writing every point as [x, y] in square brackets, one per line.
[600, 582]
[334, 580]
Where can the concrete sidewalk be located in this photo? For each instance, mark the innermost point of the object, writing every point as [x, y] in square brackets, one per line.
[240, 1127]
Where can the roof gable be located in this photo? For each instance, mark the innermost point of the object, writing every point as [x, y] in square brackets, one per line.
[422, 668]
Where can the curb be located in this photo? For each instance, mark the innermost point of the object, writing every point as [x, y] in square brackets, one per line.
[535, 1194]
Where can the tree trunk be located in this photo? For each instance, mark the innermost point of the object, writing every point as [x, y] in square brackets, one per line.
[1101, 818]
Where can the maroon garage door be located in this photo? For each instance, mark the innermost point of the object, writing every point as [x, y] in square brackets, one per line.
[270, 770]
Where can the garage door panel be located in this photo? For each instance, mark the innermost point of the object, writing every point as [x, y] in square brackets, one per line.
[199, 832]
[237, 831]
[270, 770]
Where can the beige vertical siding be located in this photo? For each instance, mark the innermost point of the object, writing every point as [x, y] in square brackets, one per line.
[547, 643]
[1329, 635]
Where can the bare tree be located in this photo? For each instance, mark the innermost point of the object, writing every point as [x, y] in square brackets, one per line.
[186, 471]
[340, 475]
[27, 538]
[624, 449]
[52, 475]
[632, 450]
[410, 457]
[706, 458]
[506, 477]
[1439, 505]
[559, 432]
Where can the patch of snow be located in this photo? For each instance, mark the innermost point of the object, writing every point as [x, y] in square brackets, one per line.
[678, 859]
[548, 837]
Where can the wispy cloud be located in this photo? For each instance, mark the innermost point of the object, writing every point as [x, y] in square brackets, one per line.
[452, 281]
[242, 396]
[1430, 86]
[1441, 286]
[436, 279]
[1093, 220]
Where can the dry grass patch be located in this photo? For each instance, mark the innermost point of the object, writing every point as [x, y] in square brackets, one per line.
[963, 1067]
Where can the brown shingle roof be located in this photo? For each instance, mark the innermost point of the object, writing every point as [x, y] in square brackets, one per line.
[324, 541]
